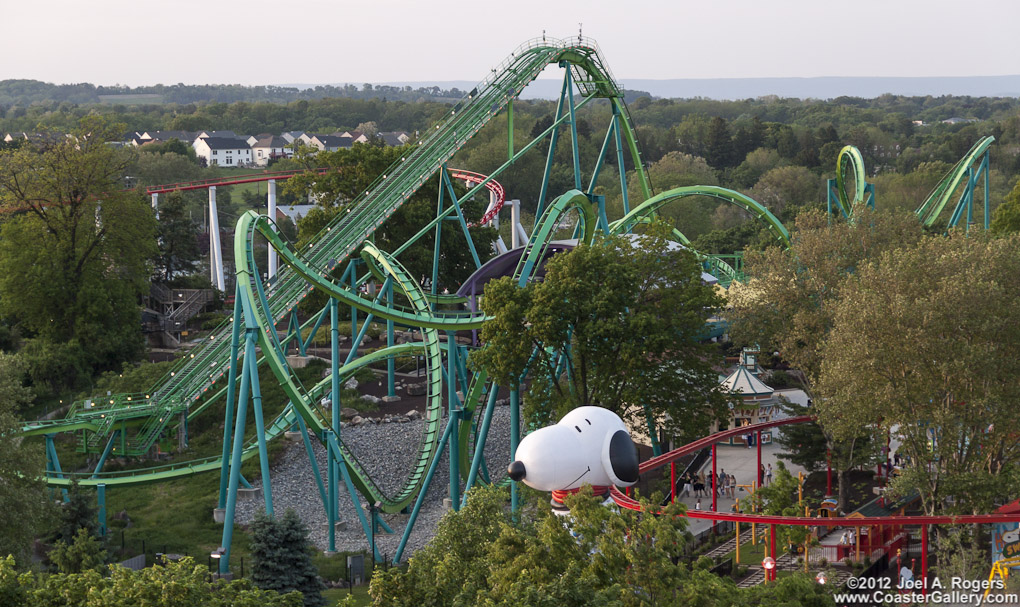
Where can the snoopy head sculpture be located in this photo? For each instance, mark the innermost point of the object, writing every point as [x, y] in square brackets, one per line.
[590, 445]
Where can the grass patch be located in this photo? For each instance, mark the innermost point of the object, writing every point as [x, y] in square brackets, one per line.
[360, 593]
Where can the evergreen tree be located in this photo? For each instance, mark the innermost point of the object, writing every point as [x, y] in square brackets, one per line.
[178, 241]
[83, 554]
[719, 147]
[281, 560]
[78, 513]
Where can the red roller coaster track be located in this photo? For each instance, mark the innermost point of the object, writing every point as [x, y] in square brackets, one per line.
[802, 521]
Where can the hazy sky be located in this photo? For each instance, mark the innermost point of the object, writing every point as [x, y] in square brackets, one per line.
[311, 41]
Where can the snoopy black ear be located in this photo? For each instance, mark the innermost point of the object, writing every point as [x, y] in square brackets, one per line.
[623, 457]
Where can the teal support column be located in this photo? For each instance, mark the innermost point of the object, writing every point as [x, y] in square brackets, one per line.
[250, 362]
[987, 167]
[331, 508]
[460, 218]
[315, 329]
[334, 365]
[391, 363]
[510, 129]
[543, 192]
[106, 453]
[454, 416]
[573, 131]
[619, 159]
[313, 461]
[235, 470]
[602, 156]
[334, 446]
[228, 415]
[650, 421]
[483, 434]
[53, 463]
[424, 489]
[439, 234]
[331, 463]
[101, 506]
[515, 439]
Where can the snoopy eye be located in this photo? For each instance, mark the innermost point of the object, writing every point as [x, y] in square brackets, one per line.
[587, 420]
[576, 428]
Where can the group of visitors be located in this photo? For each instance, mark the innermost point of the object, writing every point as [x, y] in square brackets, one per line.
[700, 484]
[764, 475]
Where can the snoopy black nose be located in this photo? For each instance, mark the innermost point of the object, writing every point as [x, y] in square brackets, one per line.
[516, 470]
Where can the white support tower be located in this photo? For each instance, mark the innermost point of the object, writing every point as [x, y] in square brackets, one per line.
[155, 203]
[215, 253]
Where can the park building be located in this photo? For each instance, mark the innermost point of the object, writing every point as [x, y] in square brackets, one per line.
[758, 402]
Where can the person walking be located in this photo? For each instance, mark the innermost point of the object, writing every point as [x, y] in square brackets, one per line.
[733, 486]
[688, 486]
[761, 476]
[768, 475]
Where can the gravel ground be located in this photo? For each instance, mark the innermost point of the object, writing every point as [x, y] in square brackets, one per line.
[388, 452]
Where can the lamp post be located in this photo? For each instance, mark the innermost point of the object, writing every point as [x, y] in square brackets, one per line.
[768, 563]
[217, 555]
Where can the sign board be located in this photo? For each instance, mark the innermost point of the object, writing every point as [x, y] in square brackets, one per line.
[1005, 541]
[356, 568]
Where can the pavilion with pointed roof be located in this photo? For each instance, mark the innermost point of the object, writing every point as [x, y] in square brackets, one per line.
[758, 400]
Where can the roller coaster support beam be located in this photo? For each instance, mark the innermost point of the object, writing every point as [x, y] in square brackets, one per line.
[106, 453]
[444, 442]
[924, 558]
[445, 176]
[235, 458]
[509, 129]
[544, 191]
[832, 200]
[391, 363]
[967, 199]
[610, 132]
[215, 252]
[334, 395]
[620, 167]
[483, 434]
[455, 410]
[499, 170]
[351, 491]
[235, 337]
[271, 208]
[439, 235]
[573, 126]
[101, 508]
[251, 365]
[313, 461]
[515, 439]
[53, 463]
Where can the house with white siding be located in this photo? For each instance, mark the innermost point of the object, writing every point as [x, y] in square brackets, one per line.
[222, 151]
[268, 148]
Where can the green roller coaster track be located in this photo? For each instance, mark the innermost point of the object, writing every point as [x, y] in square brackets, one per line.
[227, 364]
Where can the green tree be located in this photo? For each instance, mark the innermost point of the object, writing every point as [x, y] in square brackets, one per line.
[178, 238]
[175, 584]
[1007, 215]
[78, 513]
[280, 557]
[627, 316]
[83, 553]
[719, 144]
[74, 263]
[596, 556]
[789, 302]
[922, 345]
[23, 500]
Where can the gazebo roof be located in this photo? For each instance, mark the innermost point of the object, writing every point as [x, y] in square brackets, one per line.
[743, 382]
